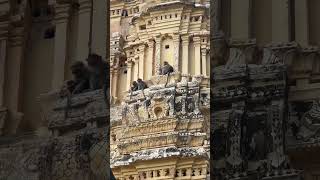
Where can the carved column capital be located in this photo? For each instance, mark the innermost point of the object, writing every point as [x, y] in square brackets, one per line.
[142, 47]
[204, 51]
[151, 43]
[17, 36]
[4, 29]
[62, 13]
[196, 40]
[84, 6]
[176, 37]
[185, 39]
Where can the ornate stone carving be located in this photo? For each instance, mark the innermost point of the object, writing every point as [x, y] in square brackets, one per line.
[258, 87]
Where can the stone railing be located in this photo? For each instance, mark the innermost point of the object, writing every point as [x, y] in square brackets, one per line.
[87, 109]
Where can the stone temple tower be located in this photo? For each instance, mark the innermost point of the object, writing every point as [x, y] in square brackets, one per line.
[160, 132]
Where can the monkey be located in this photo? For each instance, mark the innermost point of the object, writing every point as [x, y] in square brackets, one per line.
[99, 73]
[79, 83]
[141, 84]
[166, 69]
[134, 86]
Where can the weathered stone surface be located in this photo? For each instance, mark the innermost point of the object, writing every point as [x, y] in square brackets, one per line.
[248, 102]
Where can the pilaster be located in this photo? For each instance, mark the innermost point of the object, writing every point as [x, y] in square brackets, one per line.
[142, 48]
[129, 73]
[185, 54]
[240, 22]
[150, 58]
[204, 61]
[60, 44]
[158, 40]
[176, 44]
[114, 86]
[84, 22]
[3, 56]
[197, 55]
[13, 88]
[301, 24]
[280, 18]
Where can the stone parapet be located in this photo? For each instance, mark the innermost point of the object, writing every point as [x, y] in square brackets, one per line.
[79, 111]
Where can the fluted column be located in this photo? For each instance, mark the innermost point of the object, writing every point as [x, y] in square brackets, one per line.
[60, 44]
[3, 56]
[280, 21]
[129, 73]
[176, 45]
[150, 58]
[185, 54]
[158, 54]
[141, 61]
[83, 29]
[197, 55]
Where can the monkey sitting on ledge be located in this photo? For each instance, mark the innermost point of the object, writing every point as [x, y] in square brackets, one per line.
[80, 82]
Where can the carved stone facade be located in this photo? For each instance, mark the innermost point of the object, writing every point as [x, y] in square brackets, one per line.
[49, 137]
[265, 90]
[160, 132]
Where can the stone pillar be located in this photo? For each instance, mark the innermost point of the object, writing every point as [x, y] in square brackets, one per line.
[158, 55]
[240, 24]
[3, 56]
[215, 14]
[141, 60]
[111, 82]
[204, 61]
[204, 43]
[115, 84]
[83, 29]
[13, 89]
[301, 22]
[129, 73]
[135, 68]
[99, 37]
[280, 18]
[176, 45]
[197, 55]
[185, 54]
[150, 58]
[60, 44]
